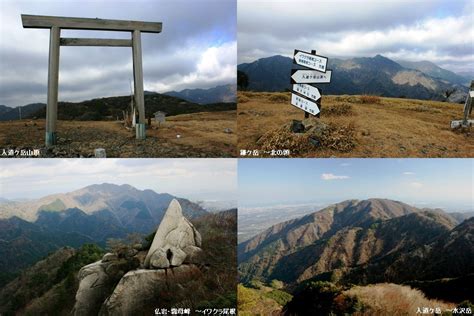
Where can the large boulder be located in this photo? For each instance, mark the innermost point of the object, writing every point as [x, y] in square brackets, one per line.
[173, 235]
[143, 287]
[94, 286]
[97, 280]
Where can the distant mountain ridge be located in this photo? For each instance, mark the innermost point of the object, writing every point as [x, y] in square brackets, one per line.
[8, 113]
[122, 200]
[29, 230]
[433, 70]
[224, 93]
[363, 75]
[357, 242]
[109, 108]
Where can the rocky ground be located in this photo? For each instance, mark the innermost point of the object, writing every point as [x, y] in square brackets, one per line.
[206, 134]
[352, 126]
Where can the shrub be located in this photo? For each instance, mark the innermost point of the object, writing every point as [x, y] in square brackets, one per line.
[279, 98]
[276, 284]
[370, 99]
[281, 297]
[242, 99]
[338, 109]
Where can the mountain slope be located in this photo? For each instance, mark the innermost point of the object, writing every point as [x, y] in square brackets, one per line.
[109, 108]
[376, 75]
[132, 207]
[434, 71]
[259, 255]
[23, 243]
[28, 110]
[224, 93]
[352, 241]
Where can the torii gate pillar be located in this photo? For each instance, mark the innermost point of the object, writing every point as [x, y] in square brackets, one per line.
[56, 23]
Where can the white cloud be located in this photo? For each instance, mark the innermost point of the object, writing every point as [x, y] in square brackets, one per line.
[191, 178]
[416, 185]
[408, 173]
[429, 30]
[330, 176]
[215, 64]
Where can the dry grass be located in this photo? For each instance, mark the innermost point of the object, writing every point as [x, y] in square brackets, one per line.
[201, 135]
[370, 99]
[425, 108]
[242, 99]
[339, 109]
[379, 299]
[279, 98]
[393, 128]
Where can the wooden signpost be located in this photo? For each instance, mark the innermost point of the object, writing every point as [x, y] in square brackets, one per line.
[304, 95]
[56, 23]
[466, 122]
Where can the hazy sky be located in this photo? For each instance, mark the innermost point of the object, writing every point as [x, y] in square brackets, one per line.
[430, 182]
[196, 49]
[196, 179]
[441, 31]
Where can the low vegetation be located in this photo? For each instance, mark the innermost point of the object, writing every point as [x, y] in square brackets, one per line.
[48, 287]
[367, 126]
[370, 99]
[326, 298]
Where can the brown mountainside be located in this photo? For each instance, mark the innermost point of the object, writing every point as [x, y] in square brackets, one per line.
[343, 240]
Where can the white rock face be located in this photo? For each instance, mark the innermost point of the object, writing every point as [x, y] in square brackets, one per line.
[93, 288]
[175, 233]
[140, 286]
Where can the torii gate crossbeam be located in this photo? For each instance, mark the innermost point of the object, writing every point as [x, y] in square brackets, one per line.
[56, 23]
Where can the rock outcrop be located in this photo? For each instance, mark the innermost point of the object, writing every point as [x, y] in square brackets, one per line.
[114, 285]
[175, 242]
[146, 287]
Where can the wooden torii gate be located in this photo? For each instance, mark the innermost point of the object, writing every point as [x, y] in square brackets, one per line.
[56, 23]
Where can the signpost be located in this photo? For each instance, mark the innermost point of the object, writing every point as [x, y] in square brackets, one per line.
[304, 95]
[466, 122]
[310, 76]
[312, 60]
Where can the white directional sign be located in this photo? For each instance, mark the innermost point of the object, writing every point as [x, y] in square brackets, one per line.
[304, 104]
[312, 61]
[310, 76]
[307, 90]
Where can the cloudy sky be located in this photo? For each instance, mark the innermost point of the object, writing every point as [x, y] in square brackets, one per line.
[445, 183]
[441, 31]
[195, 179]
[196, 49]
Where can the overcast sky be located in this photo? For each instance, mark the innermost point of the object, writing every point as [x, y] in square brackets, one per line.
[445, 183]
[441, 31]
[195, 179]
[196, 49]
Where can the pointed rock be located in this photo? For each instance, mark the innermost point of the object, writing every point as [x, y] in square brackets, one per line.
[174, 234]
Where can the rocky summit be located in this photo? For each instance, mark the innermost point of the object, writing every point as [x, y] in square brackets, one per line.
[126, 280]
[175, 240]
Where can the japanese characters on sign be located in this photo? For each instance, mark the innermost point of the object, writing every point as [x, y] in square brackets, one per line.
[310, 76]
[307, 90]
[311, 61]
[304, 104]
[304, 95]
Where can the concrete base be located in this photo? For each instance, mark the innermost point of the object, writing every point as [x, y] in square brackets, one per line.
[140, 131]
[461, 123]
[50, 138]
